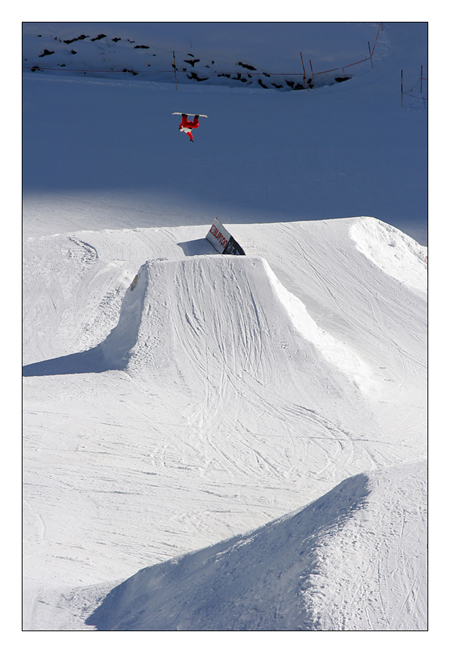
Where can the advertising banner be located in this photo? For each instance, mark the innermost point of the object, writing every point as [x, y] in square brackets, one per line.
[222, 240]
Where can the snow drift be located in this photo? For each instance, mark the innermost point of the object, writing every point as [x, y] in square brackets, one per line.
[297, 573]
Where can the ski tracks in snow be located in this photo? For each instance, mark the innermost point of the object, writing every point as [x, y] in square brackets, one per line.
[225, 416]
[228, 335]
[385, 543]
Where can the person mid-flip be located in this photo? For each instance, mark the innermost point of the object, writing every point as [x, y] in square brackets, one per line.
[188, 125]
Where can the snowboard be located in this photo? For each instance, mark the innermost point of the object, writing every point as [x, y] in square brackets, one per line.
[178, 113]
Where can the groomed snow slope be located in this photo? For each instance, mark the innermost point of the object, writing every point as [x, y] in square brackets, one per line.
[222, 393]
[320, 568]
[212, 398]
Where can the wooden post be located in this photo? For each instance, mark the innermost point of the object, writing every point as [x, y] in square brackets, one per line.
[401, 85]
[370, 53]
[304, 72]
[175, 70]
[312, 73]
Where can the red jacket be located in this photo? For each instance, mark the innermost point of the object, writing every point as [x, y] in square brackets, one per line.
[187, 125]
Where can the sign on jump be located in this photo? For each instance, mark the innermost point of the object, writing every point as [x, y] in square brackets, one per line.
[222, 240]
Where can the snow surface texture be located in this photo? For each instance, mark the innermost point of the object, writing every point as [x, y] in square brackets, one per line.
[292, 561]
[281, 394]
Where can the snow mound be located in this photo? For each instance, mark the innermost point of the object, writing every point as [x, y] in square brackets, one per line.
[233, 307]
[327, 566]
[392, 251]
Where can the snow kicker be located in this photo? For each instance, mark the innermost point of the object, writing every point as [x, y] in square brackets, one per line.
[180, 316]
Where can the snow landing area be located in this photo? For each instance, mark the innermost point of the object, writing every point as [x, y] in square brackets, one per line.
[219, 394]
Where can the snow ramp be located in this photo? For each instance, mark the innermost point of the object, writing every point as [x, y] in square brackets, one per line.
[254, 388]
[355, 559]
[212, 320]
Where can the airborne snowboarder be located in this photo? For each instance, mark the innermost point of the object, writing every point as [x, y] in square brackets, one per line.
[188, 125]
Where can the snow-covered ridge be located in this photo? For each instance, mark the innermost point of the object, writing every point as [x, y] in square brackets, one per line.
[273, 578]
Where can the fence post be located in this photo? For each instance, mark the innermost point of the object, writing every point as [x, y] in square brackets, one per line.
[312, 73]
[175, 70]
[401, 85]
[304, 72]
[370, 53]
